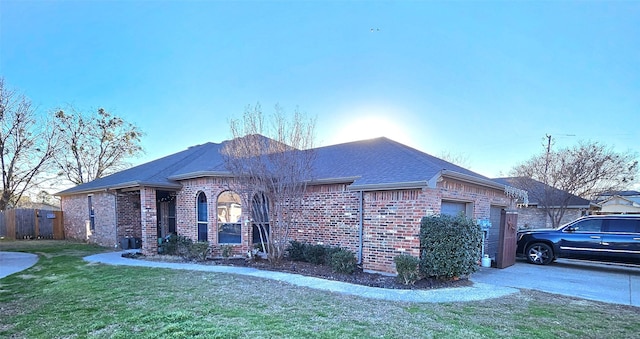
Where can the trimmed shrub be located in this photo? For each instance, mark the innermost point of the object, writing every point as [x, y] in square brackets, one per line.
[329, 251]
[176, 245]
[199, 250]
[226, 251]
[185, 247]
[343, 261]
[296, 250]
[315, 254]
[408, 268]
[449, 246]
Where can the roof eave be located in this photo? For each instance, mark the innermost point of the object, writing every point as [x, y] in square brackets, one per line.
[328, 181]
[472, 179]
[389, 186]
[130, 184]
[568, 206]
[199, 174]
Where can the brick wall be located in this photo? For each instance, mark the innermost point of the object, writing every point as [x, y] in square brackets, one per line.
[186, 209]
[392, 218]
[149, 221]
[330, 216]
[533, 217]
[76, 218]
[129, 215]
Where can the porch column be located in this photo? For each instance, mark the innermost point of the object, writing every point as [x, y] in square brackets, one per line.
[149, 219]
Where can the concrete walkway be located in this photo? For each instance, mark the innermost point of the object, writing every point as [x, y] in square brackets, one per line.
[12, 262]
[479, 290]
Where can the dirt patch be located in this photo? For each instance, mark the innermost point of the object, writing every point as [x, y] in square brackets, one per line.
[359, 277]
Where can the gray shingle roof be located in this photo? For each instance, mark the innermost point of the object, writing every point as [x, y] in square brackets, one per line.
[536, 191]
[379, 162]
[156, 173]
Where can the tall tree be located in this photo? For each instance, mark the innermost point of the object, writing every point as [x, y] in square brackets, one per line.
[94, 145]
[585, 170]
[271, 163]
[27, 145]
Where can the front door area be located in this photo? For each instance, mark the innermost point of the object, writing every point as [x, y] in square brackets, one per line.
[166, 209]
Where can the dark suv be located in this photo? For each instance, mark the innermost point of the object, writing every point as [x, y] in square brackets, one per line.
[613, 238]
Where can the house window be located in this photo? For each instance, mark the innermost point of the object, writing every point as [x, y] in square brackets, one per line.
[202, 217]
[455, 208]
[260, 216]
[229, 218]
[92, 216]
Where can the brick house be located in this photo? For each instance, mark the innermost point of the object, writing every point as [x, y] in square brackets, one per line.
[534, 215]
[368, 196]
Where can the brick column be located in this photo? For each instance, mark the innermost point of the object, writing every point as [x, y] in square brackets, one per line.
[149, 219]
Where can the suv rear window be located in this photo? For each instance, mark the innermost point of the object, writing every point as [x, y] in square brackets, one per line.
[623, 226]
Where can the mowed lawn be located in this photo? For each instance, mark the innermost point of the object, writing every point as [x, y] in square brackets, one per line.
[63, 296]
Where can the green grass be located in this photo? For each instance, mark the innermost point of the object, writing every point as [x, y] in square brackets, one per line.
[63, 296]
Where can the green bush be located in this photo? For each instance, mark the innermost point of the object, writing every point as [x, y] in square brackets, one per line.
[226, 251]
[199, 250]
[449, 246]
[315, 254]
[329, 251]
[296, 250]
[185, 247]
[408, 268]
[176, 245]
[343, 261]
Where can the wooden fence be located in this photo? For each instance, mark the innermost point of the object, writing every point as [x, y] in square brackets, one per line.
[31, 224]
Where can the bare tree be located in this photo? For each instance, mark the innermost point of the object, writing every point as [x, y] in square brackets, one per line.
[27, 145]
[459, 159]
[94, 145]
[271, 163]
[585, 170]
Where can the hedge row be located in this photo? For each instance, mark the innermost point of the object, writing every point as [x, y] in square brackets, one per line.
[340, 259]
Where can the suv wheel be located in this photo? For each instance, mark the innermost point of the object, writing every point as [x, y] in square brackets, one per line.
[539, 253]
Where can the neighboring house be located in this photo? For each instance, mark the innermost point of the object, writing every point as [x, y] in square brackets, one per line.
[534, 215]
[368, 196]
[622, 202]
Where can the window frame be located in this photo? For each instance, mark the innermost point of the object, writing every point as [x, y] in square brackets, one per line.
[233, 236]
[92, 213]
[468, 207]
[202, 226]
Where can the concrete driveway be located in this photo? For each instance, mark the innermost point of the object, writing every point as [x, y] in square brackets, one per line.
[612, 283]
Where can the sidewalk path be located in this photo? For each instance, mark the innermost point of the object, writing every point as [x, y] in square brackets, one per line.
[12, 262]
[479, 291]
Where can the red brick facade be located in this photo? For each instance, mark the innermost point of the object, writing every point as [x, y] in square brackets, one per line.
[533, 217]
[331, 215]
[77, 223]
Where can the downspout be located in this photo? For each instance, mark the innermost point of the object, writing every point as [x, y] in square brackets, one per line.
[361, 228]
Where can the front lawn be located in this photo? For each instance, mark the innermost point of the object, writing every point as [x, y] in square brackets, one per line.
[64, 296]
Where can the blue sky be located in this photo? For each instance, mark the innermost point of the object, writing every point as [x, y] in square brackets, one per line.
[486, 80]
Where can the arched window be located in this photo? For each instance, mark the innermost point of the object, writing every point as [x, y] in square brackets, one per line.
[202, 217]
[229, 218]
[260, 216]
